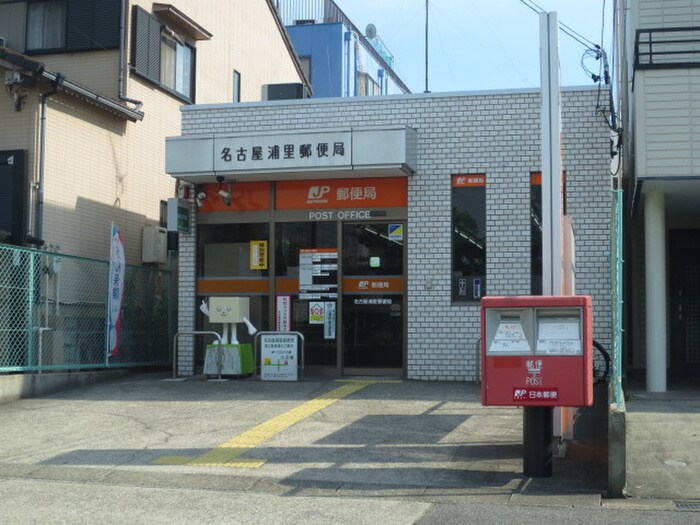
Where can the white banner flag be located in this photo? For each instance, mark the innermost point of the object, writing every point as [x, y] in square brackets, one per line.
[117, 269]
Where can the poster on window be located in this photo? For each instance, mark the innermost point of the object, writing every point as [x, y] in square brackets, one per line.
[329, 322]
[258, 255]
[284, 313]
[318, 271]
[317, 312]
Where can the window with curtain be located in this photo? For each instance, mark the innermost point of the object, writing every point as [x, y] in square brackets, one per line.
[176, 65]
[46, 25]
[59, 26]
[162, 56]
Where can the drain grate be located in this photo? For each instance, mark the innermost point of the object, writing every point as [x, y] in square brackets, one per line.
[688, 505]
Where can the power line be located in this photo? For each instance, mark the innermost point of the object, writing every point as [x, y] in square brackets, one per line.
[562, 26]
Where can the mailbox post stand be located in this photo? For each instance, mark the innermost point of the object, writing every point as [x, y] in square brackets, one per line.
[537, 441]
[536, 353]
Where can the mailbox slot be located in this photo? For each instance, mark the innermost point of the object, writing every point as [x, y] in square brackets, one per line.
[509, 332]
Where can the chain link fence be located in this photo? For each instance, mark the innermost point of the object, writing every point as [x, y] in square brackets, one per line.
[53, 313]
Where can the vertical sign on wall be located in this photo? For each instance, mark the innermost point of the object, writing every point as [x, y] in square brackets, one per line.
[117, 269]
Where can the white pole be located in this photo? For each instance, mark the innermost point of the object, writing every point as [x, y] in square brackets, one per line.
[655, 281]
[551, 156]
[552, 255]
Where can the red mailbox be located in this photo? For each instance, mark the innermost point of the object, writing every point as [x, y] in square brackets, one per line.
[536, 351]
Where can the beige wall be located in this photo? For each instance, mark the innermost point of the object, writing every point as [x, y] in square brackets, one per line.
[245, 38]
[98, 70]
[102, 169]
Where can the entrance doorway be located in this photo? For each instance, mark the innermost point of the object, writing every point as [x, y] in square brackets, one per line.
[373, 298]
[685, 304]
[323, 258]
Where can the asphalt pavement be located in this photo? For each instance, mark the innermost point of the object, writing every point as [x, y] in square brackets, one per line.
[145, 448]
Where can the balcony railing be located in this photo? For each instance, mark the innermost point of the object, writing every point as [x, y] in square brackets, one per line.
[667, 48]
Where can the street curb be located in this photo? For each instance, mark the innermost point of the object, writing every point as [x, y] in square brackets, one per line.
[21, 386]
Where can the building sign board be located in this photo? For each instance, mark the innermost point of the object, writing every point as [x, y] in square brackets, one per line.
[178, 211]
[287, 151]
[329, 194]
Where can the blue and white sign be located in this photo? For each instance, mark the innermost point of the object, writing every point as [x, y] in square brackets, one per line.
[117, 270]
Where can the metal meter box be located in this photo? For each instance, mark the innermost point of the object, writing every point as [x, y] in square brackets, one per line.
[537, 351]
[154, 245]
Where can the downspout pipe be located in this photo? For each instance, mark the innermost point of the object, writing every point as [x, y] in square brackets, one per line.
[122, 57]
[347, 63]
[39, 210]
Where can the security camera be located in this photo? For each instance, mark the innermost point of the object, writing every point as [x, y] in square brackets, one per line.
[200, 198]
[226, 197]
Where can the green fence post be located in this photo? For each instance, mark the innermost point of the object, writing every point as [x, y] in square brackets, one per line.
[30, 312]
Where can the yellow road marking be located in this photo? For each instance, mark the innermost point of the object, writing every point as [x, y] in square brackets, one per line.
[228, 454]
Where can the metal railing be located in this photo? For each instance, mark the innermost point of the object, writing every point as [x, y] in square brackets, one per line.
[53, 310]
[192, 333]
[667, 47]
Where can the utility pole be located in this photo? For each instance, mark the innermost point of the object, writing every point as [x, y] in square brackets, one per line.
[538, 421]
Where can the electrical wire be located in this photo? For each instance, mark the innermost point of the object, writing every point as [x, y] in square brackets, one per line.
[597, 52]
[578, 37]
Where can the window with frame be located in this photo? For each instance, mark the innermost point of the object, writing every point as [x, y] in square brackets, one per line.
[468, 237]
[46, 25]
[57, 26]
[536, 267]
[236, 86]
[366, 85]
[536, 233]
[162, 55]
[176, 60]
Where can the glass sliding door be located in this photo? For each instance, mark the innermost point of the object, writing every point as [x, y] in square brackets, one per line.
[306, 287]
[373, 305]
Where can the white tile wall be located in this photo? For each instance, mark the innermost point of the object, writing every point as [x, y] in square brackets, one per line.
[493, 132]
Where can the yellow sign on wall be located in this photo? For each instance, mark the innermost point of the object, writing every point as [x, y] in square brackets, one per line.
[258, 255]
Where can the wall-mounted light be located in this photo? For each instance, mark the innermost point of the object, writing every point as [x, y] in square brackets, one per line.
[200, 198]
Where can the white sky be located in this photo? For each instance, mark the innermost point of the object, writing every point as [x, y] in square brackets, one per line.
[481, 44]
